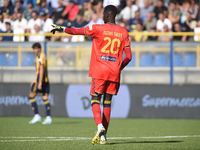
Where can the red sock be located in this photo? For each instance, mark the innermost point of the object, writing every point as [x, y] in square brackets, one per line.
[97, 113]
[106, 117]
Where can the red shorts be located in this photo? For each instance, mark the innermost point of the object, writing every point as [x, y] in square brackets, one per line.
[100, 86]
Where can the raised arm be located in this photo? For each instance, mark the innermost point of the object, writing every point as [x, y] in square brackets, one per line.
[73, 31]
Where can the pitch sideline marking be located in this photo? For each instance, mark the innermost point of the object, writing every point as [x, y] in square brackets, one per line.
[85, 138]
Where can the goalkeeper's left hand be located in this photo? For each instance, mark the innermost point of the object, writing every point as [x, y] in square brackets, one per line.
[57, 28]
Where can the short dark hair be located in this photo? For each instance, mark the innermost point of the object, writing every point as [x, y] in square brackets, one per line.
[35, 12]
[36, 45]
[172, 2]
[112, 9]
[140, 22]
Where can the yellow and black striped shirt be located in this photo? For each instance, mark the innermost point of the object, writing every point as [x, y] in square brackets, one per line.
[41, 60]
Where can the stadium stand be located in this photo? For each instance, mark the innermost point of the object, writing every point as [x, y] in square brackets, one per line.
[177, 60]
[12, 59]
[185, 14]
[28, 59]
[160, 60]
[189, 60]
[132, 62]
[3, 59]
[146, 60]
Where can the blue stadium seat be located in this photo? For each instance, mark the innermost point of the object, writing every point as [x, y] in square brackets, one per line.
[28, 59]
[177, 60]
[160, 60]
[189, 60]
[146, 60]
[13, 59]
[132, 62]
[2, 59]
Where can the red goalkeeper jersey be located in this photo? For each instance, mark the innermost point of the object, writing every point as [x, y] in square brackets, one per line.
[109, 41]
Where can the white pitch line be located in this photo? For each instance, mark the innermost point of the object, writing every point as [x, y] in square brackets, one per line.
[84, 138]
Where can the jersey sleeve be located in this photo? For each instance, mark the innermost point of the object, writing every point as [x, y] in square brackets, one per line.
[42, 59]
[127, 41]
[91, 30]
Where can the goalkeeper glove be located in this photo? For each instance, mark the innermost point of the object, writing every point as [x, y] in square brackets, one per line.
[57, 28]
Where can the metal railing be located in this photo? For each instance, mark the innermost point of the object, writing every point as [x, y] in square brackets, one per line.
[130, 33]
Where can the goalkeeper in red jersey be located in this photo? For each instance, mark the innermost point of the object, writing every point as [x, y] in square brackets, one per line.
[109, 42]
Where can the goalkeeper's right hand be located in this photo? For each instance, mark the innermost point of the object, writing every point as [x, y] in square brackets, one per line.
[57, 28]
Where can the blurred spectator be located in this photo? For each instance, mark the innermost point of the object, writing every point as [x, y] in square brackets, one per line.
[122, 4]
[32, 22]
[150, 21]
[129, 11]
[139, 28]
[46, 22]
[78, 23]
[2, 23]
[165, 38]
[58, 11]
[173, 13]
[153, 37]
[45, 8]
[86, 11]
[7, 9]
[123, 24]
[160, 8]
[28, 11]
[116, 3]
[61, 22]
[140, 3]
[8, 30]
[19, 27]
[37, 38]
[177, 28]
[95, 6]
[163, 21]
[146, 9]
[134, 21]
[1, 3]
[154, 3]
[80, 2]
[196, 13]
[26, 2]
[95, 20]
[186, 6]
[17, 9]
[53, 3]
[71, 10]
[189, 24]
[197, 30]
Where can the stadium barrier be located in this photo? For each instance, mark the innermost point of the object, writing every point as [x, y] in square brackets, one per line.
[72, 57]
[130, 34]
[132, 101]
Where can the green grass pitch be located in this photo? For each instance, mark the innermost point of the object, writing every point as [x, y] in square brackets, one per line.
[77, 134]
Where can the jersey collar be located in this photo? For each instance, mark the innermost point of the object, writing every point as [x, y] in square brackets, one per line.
[111, 23]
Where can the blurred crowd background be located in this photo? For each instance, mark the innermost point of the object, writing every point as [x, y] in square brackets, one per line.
[36, 16]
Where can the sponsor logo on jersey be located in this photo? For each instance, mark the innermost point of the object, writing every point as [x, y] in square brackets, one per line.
[39, 59]
[108, 58]
[90, 27]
